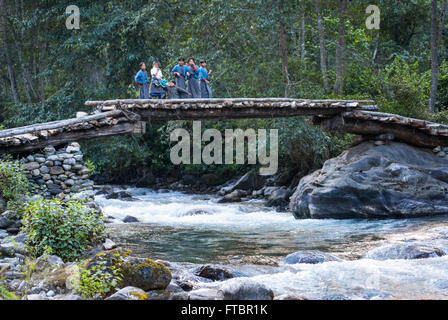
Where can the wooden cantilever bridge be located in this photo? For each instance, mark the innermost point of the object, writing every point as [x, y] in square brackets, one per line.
[115, 117]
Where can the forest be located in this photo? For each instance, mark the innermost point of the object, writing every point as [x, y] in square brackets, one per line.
[259, 48]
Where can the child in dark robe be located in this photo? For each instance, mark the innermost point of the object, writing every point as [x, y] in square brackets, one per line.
[193, 79]
[180, 73]
[206, 92]
[141, 78]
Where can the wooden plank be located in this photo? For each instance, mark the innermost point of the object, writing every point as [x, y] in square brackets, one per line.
[66, 137]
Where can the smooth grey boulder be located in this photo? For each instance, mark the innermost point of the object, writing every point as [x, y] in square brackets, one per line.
[129, 293]
[394, 180]
[250, 181]
[130, 219]
[309, 257]
[5, 222]
[244, 289]
[203, 294]
[404, 251]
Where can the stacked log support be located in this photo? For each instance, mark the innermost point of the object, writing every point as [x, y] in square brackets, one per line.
[413, 131]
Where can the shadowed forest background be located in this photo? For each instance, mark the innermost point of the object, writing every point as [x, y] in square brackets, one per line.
[259, 48]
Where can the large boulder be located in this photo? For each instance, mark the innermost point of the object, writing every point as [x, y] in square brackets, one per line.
[394, 180]
[142, 273]
[145, 274]
[309, 257]
[404, 251]
[250, 181]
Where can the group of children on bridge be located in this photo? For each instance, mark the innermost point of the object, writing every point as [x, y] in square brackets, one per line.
[158, 87]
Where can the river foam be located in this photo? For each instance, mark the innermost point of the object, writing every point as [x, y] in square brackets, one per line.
[191, 230]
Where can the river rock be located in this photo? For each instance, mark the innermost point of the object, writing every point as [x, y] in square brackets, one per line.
[250, 181]
[309, 257]
[48, 261]
[234, 196]
[109, 245]
[145, 274]
[394, 180]
[121, 195]
[213, 273]
[404, 251]
[5, 222]
[203, 294]
[244, 289]
[129, 219]
[146, 180]
[129, 293]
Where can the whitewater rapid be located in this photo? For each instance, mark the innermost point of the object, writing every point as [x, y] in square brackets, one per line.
[192, 230]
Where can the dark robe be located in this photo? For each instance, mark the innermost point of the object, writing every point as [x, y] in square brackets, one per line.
[206, 92]
[144, 91]
[180, 81]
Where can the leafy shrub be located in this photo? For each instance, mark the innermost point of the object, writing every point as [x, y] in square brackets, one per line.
[99, 281]
[402, 90]
[440, 117]
[90, 166]
[13, 182]
[103, 275]
[5, 294]
[67, 229]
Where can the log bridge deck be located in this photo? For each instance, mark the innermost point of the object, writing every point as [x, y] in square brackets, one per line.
[115, 117]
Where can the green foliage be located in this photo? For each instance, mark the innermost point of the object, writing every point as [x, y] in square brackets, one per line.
[99, 281]
[90, 166]
[5, 294]
[13, 183]
[67, 228]
[102, 277]
[402, 90]
[239, 40]
[440, 117]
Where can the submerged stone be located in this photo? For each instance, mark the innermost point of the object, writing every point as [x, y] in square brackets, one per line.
[309, 257]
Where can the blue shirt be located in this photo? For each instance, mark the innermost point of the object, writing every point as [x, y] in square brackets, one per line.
[203, 74]
[177, 68]
[141, 77]
[193, 74]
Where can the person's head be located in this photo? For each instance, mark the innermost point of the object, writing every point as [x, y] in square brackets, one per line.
[203, 63]
[155, 64]
[142, 66]
[191, 61]
[181, 61]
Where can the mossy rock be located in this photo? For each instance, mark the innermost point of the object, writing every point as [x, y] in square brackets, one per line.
[145, 274]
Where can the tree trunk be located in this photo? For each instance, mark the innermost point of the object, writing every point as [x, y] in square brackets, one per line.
[340, 50]
[11, 75]
[436, 34]
[323, 51]
[302, 38]
[283, 50]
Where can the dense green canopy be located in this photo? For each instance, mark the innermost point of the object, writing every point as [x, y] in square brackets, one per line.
[256, 48]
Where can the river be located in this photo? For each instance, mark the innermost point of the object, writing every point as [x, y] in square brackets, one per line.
[251, 240]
